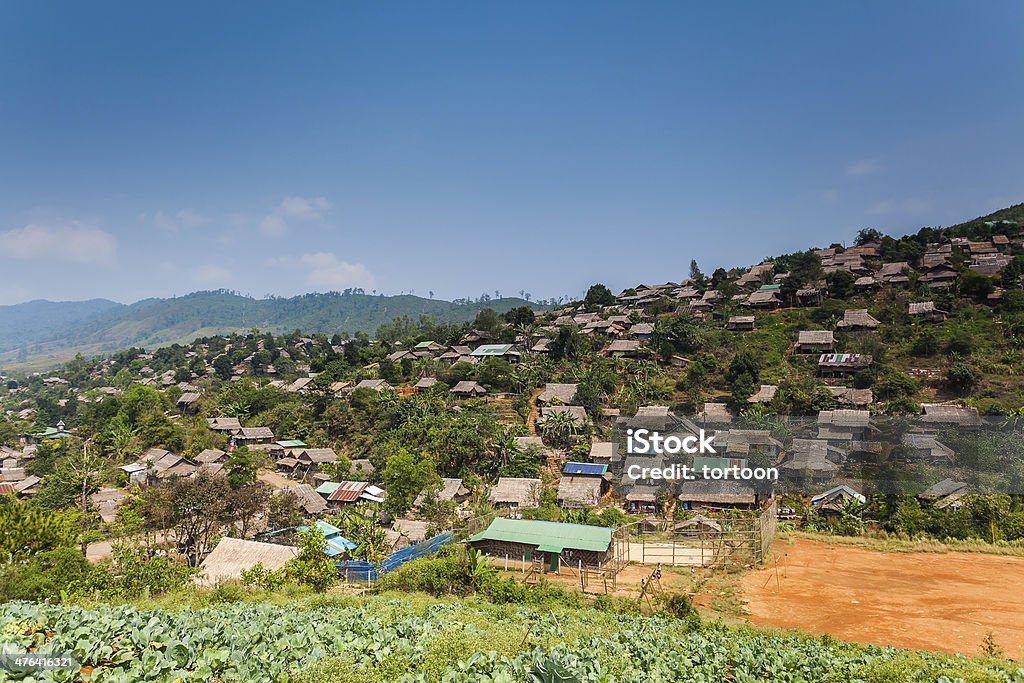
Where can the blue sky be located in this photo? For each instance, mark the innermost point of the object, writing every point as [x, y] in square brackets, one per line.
[155, 149]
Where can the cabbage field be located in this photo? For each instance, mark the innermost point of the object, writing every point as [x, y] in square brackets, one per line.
[381, 639]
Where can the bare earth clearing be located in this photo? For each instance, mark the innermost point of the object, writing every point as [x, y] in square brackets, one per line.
[923, 601]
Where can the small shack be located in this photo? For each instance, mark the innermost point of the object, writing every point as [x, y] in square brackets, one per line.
[858, 319]
[698, 526]
[815, 341]
[582, 484]
[740, 323]
[516, 492]
[842, 364]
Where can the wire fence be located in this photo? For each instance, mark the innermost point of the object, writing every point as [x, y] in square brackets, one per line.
[721, 541]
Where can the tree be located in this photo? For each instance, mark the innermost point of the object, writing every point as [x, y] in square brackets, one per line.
[598, 295]
[359, 524]
[312, 567]
[223, 366]
[519, 316]
[987, 511]
[505, 445]
[925, 345]
[487, 320]
[404, 476]
[695, 275]
[241, 467]
[284, 511]
[976, 285]
[840, 284]
[680, 333]
[744, 365]
[27, 530]
[87, 469]
[1012, 274]
[960, 379]
[867, 236]
[804, 268]
[199, 509]
[569, 344]
[525, 463]
[560, 427]
[246, 503]
[890, 385]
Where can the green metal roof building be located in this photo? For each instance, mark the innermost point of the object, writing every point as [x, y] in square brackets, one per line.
[492, 350]
[553, 541]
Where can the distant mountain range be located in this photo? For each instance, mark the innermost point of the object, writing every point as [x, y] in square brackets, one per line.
[42, 333]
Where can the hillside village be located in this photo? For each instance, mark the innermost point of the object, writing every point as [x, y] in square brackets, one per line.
[388, 445]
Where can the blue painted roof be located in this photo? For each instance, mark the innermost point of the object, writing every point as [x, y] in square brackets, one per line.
[584, 468]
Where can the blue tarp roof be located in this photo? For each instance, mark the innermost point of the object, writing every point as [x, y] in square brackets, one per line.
[339, 545]
[585, 468]
[336, 543]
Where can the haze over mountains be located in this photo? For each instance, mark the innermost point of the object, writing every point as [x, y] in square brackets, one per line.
[44, 333]
[47, 332]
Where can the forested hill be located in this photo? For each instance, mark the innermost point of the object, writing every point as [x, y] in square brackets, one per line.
[44, 332]
[39, 319]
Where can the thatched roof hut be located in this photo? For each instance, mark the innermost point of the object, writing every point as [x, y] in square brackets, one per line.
[579, 491]
[233, 555]
[516, 492]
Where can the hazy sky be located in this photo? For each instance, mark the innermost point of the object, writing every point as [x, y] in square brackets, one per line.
[153, 149]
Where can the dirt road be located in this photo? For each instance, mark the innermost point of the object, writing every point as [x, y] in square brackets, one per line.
[927, 601]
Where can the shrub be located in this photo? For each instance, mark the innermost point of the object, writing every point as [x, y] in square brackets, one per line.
[441, 574]
[960, 378]
[960, 342]
[312, 567]
[51, 576]
[260, 578]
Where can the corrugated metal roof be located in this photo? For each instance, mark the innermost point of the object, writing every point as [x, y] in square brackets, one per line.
[347, 491]
[585, 468]
[492, 350]
[547, 534]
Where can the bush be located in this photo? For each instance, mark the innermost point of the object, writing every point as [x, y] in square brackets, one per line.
[960, 342]
[133, 573]
[260, 578]
[679, 606]
[960, 378]
[441, 574]
[891, 385]
[312, 567]
[925, 345]
[51, 576]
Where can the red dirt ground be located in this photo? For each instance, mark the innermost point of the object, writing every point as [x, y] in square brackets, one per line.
[920, 601]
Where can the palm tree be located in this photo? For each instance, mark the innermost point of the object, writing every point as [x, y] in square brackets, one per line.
[505, 445]
[527, 330]
[560, 426]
